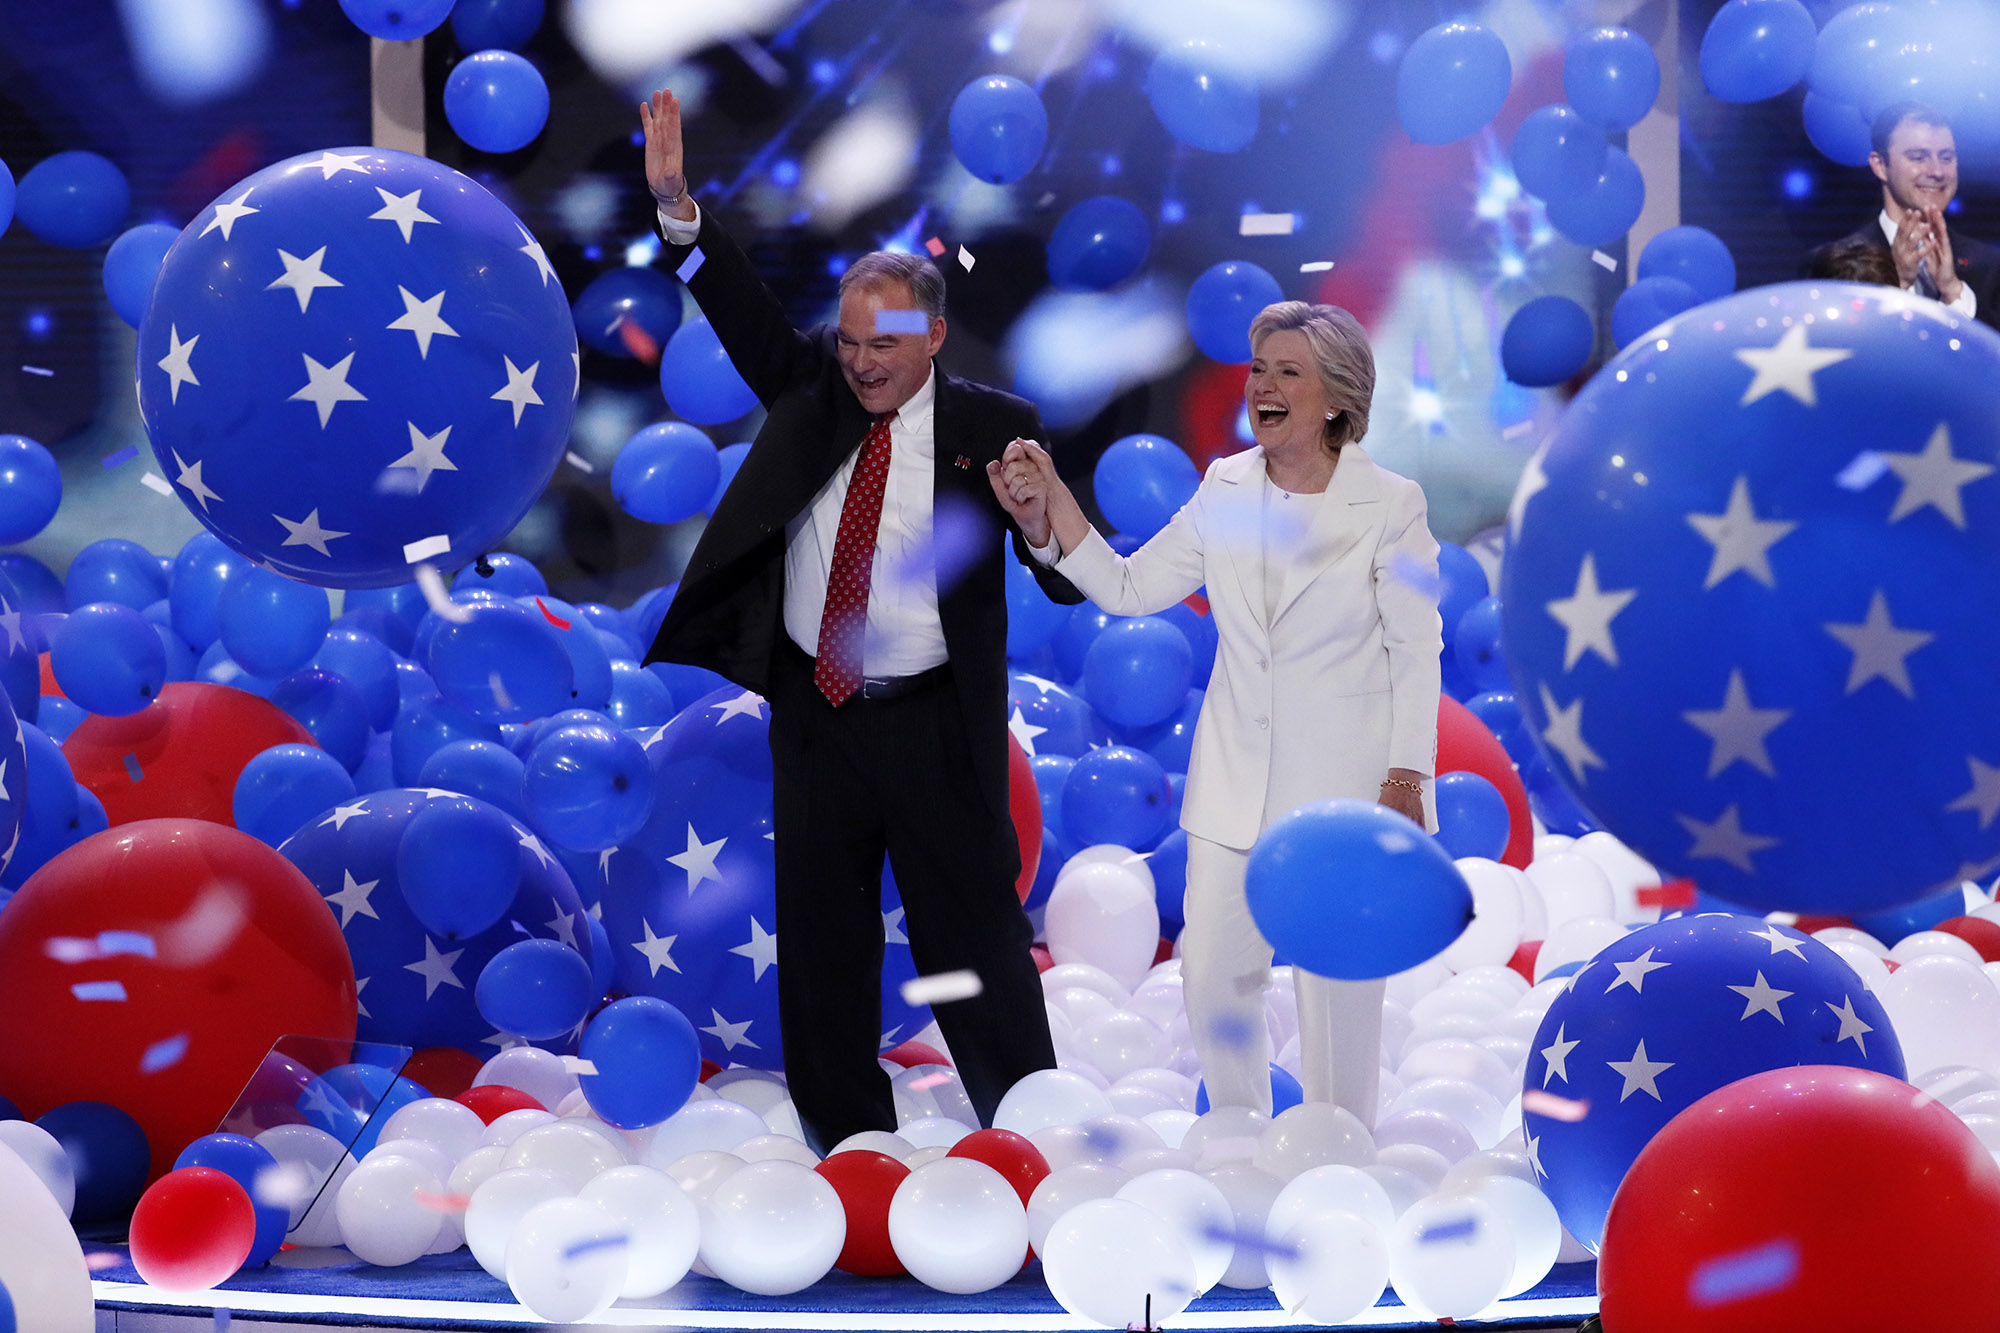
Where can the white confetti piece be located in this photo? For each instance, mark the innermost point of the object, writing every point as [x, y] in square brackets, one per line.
[416, 551]
[942, 987]
[965, 259]
[1267, 224]
[39, 370]
[435, 596]
[579, 1066]
[1862, 471]
[929, 1081]
[1317, 266]
[1604, 261]
[1536, 1102]
[153, 481]
[578, 461]
[1517, 430]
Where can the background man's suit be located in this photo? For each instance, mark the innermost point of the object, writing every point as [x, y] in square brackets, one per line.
[924, 774]
[1978, 265]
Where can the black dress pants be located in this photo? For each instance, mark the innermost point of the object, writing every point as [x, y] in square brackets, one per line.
[891, 776]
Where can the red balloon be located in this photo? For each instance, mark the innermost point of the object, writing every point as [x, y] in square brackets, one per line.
[1820, 1197]
[1020, 1161]
[192, 1229]
[1024, 803]
[443, 1071]
[914, 1052]
[1523, 960]
[866, 1182]
[493, 1100]
[1043, 959]
[178, 757]
[152, 966]
[1466, 746]
[1977, 931]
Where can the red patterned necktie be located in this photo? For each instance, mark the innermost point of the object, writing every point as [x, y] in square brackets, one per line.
[845, 620]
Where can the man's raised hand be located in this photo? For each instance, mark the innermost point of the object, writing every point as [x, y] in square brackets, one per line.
[666, 172]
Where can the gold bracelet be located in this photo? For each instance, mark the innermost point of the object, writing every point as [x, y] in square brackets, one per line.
[1416, 787]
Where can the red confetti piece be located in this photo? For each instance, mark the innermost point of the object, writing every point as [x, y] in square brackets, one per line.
[1674, 895]
[935, 246]
[639, 343]
[441, 1203]
[551, 616]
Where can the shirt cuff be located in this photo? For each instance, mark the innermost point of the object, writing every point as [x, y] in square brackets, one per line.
[1967, 303]
[1045, 556]
[678, 232]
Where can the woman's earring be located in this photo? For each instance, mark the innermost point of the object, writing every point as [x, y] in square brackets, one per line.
[1331, 415]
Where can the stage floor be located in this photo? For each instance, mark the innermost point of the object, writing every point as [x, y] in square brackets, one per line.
[328, 1288]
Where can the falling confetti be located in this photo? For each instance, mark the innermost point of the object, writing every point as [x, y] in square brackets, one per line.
[551, 616]
[153, 481]
[1753, 1272]
[935, 246]
[1604, 261]
[98, 990]
[432, 586]
[132, 769]
[1267, 224]
[164, 1054]
[1861, 472]
[1317, 266]
[1568, 1110]
[929, 1081]
[902, 321]
[689, 266]
[942, 988]
[595, 1243]
[39, 370]
[1675, 895]
[1463, 1228]
[425, 548]
[578, 461]
[965, 259]
[121, 456]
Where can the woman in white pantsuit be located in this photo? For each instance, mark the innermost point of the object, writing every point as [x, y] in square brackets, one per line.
[1321, 574]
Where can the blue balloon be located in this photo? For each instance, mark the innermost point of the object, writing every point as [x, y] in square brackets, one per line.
[1668, 1014]
[1100, 242]
[108, 659]
[1606, 211]
[362, 1097]
[1171, 741]
[40, 590]
[1202, 102]
[311, 435]
[30, 488]
[589, 660]
[131, 265]
[1755, 49]
[1475, 644]
[1611, 77]
[639, 698]
[486, 769]
[698, 379]
[1551, 801]
[112, 569]
[1349, 889]
[76, 200]
[1141, 482]
[1063, 720]
[1116, 794]
[588, 787]
[49, 821]
[1546, 341]
[330, 708]
[1452, 81]
[1032, 619]
[1837, 129]
[1202, 638]
[1223, 301]
[270, 624]
[1285, 1092]
[243, 1161]
[1501, 714]
[1086, 621]
[390, 613]
[1694, 255]
[497, 101]
[1471, 815]
[1647, 304]
[1851, 55]
[7, 193]
[1773, 639]
[666, 472]
[1138, 671]
[194, 587]
[1168, 862]
[505, 663]
[647, 1061]
[424, 728]
[1461, 585]
[998, 128]
[108, 1151]
[730, 458]
[505, 574]
[1924, 914]
[459, 864]
[628, 312]
[365, 662]
[396, 21]
[486, 25]
[284, 787]
[59, 717]
[1557, 153]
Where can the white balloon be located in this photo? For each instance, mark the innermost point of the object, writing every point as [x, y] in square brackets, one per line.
[700, 1172]
[1122, 1043]
[1049, 1097]
[1421, 1160]
[1919, 943]
[381, 1220]
[1474, 1109]
[1404, 1187]
[316, 1165]
[1946, 1012]
[1110, 853]
[1575, 940]
[758, 1089]
[566, 1260]
[1628, 872]
[875, 1140]
[1195, 1213]
[1139, 1101]
[1508, 1160]
[1498, 979]
[1571, 885]
[772, 1228]
[41, 1260]
[1105, 915]
[784, 1119]
[1161, 1001]
[42, 1153]
[1064, 1145]
[1065, 975]
[1177, 1086]
[1852, 935]
[1547, 844]
[943, 1092]
[475, 1169]
[1411, 985]
[1953, 1084]
[1459, 1059]
[500, 1201]
[566, 1147]
[958, 1226]
[1250, 1193]
[1449, 999]
[1331, 1189]
[1226, 1133]
[1309, 1135]
[539, 1073]
[1495, 929]
[1329, 1266]
[1063, 1189]
[1110, 1261]
[926, 1155]
[661, 1221]
[1450, 1256]
[1869, 969]
[932, 1131]
[1534, 912]
[506, 1128]
[1081, 1006]
[1171, 1125]
[717, 1124]
[1531, 1220]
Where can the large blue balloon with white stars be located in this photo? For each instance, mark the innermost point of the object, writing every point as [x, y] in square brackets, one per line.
[418, 987]
[352, 352]
[1752, 601]
[1660, 1019]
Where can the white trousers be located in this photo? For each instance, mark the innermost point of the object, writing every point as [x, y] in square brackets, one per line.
[1225, 972]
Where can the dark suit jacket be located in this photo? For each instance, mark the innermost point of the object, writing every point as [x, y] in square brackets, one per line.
[728, 614]
[1978, 264]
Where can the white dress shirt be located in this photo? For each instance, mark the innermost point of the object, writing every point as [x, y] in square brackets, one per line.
[904, 634]
[1967, 303]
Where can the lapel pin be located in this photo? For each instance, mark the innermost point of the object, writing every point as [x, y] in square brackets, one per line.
[962, 462]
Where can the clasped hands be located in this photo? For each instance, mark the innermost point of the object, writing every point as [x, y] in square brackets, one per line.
[1922, 236]
[1024, 481]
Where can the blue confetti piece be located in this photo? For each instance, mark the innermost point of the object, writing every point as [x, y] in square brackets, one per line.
[164, 1054]
[125, 455]
[1253, 1241]
[1861, 472]
[902, 321]
[98, 990]
[1465, 1228]
[690, 266]
[221, 1320]
[1754, 1272]
[132, 769]
[584, 1247]
[111, 943]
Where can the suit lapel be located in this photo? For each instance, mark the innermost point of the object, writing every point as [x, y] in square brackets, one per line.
[1238, 513]
[1345, 514]
[949, 439]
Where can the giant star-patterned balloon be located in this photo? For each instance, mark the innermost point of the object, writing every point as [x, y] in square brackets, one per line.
[352, 352]
[1751, 602]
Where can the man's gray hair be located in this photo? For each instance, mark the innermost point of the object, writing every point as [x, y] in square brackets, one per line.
[1341, 353]
[916, 272]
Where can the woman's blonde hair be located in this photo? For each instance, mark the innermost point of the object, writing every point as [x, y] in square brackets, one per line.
[1341, 353]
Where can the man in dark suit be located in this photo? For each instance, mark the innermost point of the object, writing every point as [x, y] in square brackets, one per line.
[852, 574]
[1916, 159]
